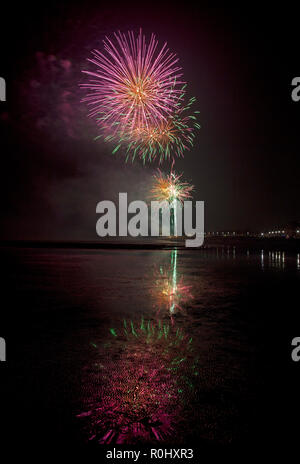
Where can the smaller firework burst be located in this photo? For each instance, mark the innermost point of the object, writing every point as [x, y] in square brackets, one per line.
[170, 188]
[163, 140]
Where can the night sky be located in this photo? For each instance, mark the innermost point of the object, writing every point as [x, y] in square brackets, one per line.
[239, 64]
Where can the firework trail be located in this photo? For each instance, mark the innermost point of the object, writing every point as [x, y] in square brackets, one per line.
[134, 85]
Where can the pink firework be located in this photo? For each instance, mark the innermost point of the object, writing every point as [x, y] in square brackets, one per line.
[135, 84]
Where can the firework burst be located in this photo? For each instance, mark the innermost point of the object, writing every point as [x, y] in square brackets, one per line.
[167, 138]
[170, 188]
[134, 84]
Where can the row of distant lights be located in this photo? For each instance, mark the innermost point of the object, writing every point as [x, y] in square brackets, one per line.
[233, 233]
[248, 233]
[274, 232]
[278, 232]
[221, 233]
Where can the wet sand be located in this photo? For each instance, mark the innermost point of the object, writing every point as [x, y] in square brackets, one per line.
[149, 346]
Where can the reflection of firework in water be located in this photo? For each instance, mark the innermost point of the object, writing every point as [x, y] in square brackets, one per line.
[164, 139]
[169, 289]
[140, 396]
[170, 188]
[134, 84]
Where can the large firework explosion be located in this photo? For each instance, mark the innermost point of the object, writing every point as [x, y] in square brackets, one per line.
[170, 188]
[134, 83]
[163, 140]
[141, 395]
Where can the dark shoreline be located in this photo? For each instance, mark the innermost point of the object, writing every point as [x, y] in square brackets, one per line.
[240, 243]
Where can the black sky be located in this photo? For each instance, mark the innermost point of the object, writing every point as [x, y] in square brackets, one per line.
[238, 63]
